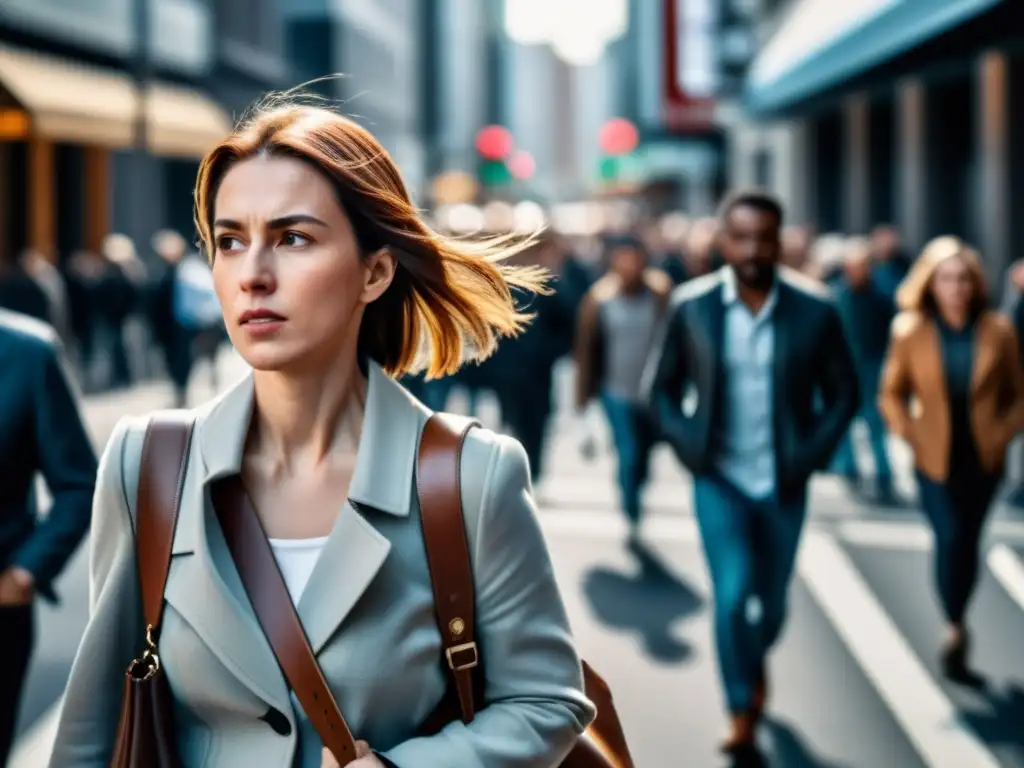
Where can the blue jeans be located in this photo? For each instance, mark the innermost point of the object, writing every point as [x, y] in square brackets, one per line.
[750, 548]
[632, 436]
[845, 461]
[956, 511]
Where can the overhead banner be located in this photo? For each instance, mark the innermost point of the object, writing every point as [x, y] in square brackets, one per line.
[691, 77]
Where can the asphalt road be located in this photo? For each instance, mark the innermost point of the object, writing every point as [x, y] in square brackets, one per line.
[855, 683]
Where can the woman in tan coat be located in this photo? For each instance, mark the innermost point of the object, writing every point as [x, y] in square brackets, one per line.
[954, 390]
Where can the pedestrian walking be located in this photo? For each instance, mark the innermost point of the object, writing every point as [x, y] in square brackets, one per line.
[329, 281]
[867, 314]
[618, 320]
[41, 432]
[758, 358]
[960, 362]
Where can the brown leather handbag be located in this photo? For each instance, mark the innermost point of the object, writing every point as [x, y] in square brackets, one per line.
[145, 732]
[602, 746]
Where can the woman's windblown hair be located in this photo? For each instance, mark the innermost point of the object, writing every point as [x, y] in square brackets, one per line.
[451, 299]
[915, 292]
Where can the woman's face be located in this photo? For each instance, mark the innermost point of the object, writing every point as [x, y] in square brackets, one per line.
[287, 269]
[953, 287]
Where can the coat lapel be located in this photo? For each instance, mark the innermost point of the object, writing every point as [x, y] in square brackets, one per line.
[203, 586]
[382, 483]
[781, 339]
[351, 558]
[987, 350]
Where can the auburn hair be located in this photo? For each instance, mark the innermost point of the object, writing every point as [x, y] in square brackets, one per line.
[451, 299]
[915, 292]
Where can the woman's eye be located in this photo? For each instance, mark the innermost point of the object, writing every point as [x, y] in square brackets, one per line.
[294, 240]
[228, 243]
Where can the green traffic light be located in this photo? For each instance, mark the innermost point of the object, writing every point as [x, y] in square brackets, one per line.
[494, 173]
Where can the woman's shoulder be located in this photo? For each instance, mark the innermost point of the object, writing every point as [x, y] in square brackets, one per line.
[493, 469]
[1001, 323]
[122, 457]
[490, 458]
[907, 323]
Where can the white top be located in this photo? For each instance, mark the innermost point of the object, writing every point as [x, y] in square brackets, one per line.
[296, 558]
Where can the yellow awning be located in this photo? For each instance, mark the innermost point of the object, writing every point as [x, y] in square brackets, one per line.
[68, 101]
[183, 122]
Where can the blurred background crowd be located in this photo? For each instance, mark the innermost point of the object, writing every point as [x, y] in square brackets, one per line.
[879, 124]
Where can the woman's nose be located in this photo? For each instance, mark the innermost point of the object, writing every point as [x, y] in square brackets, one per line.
[257, 272]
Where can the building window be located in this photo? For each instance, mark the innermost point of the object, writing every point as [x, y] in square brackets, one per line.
[763, 169]
[698, 72]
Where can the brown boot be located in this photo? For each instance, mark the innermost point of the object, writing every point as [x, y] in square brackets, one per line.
[741, 735]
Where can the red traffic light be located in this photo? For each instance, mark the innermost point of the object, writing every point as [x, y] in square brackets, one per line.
[494, 142]
[618, 137]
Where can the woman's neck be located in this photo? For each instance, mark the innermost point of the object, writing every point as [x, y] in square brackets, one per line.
[955, 319]
[308, 417]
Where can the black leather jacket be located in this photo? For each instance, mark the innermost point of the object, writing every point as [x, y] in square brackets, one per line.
[815, 384]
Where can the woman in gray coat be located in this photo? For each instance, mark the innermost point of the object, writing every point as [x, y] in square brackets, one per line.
[332, 286]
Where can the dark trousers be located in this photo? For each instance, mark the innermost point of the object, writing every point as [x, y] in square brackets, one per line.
[633, 436]
[16, 638]
[526, 411]
[750, 548]
[957, 510]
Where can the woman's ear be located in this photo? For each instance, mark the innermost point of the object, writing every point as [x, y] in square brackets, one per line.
[379, 271]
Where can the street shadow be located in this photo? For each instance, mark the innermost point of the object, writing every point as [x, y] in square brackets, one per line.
[646, 602]
[788, 749]
[1001, 727]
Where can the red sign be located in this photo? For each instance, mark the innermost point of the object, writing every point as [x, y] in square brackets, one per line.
[682, 112]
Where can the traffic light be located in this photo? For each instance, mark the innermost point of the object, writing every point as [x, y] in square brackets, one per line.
[608, 168]
[494, 144]
[494, 173]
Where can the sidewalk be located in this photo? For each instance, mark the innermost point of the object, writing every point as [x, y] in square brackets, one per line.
[103, 411]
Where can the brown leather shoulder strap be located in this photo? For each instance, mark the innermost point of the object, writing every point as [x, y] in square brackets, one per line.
[268, 594]
[161, 479]
[444, 535]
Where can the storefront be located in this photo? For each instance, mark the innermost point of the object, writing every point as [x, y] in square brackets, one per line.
[896, 111]
[68, 116]
[58, 120]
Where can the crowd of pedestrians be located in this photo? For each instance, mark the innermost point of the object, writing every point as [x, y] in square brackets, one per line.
[748, 346]
[121, 318]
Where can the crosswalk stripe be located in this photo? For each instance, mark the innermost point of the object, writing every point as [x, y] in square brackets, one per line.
[914, 535]
[925, 714]
[607, 527]
[1009, 570]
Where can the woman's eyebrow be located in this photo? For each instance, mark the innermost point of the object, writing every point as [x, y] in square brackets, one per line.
[281, 222]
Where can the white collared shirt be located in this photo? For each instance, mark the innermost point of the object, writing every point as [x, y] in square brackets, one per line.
[745, 443]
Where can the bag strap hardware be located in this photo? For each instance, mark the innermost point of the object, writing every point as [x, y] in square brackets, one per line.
[162, 468]
[468, 650]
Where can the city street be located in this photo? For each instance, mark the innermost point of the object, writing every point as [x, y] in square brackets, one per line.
[854, 681]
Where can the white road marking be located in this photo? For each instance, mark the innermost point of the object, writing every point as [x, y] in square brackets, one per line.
[1009, 570]
[915, 536]
[612, 527]
[925, 714]
[887, 535]
[33, 748]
